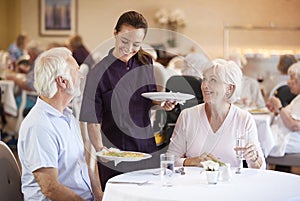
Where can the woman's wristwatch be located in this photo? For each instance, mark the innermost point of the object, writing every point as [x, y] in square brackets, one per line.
[279, 109]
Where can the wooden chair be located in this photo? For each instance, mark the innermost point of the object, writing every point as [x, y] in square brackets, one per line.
[286, 160]
[10, 175]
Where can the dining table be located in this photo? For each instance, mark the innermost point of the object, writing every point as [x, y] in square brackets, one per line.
[265, 137]
[251, 184]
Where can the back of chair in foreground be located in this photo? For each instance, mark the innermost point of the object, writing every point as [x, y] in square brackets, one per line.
[10, 175]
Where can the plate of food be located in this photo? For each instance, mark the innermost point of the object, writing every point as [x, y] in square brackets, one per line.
[168, 96]
[259, 111]
[116, 155]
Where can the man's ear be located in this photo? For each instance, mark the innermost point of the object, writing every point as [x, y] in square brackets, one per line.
[62, 82]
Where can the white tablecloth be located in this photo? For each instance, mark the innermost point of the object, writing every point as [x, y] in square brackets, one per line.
[8, 98]
[265, 136]
[252, 184]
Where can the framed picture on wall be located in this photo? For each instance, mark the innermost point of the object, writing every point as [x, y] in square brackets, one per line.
[57, 17]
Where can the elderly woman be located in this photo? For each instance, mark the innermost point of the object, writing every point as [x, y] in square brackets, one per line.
[208, 131]
[286, 127]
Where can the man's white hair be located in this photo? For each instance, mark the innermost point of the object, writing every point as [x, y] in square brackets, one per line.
[48, 66]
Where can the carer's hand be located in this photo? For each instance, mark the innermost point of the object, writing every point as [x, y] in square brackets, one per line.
[168, 105]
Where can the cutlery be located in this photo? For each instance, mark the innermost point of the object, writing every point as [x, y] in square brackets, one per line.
[129, 182]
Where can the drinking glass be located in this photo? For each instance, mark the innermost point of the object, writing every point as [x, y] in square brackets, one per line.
[167, 169]
[241, 142]
[260, 77]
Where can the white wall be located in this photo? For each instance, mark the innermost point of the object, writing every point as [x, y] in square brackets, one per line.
[206, 19]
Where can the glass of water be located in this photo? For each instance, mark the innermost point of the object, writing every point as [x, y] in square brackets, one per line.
[167, 169]
[241, 142]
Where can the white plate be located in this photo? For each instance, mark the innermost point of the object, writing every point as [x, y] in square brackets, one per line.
[170, 96]
[118, 159]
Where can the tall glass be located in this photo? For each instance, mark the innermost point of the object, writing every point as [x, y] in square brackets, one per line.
[241, 142]
[167, 169]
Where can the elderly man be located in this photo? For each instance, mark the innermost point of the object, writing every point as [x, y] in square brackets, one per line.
[286, 126]
[50, 147]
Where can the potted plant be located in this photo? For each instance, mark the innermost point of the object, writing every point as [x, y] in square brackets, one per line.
[212, 171]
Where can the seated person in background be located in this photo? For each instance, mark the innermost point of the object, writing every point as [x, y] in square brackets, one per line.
[23, 66]
[208, 131]
[286, 126]
[193, 64]
[274, 81]
[50, 146]
[18, 49]
[161, 73]
[79, 51]
[27, 83]
[250, 95]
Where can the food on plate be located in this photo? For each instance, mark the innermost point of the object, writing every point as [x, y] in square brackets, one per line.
[126, 154]
[258, 111]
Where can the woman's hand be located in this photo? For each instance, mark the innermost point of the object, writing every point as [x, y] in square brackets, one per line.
[250, 152]
[196, 161]
[274, 104]
[168, 105]
[252, 156]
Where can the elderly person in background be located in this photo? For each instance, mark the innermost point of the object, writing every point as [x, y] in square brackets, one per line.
[27, 84]
[251, 95]
[18, 49]
[208, 131]
[194, 63]
[276, 85]
[161, 73]
[50, 147]
[286, 127]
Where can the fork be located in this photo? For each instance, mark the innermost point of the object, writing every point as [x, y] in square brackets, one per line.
[129, 182]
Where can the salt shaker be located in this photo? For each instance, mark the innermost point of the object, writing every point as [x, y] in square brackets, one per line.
[226, 173]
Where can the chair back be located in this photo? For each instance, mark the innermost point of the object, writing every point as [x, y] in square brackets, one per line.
[184, 84]
[283, 92]
[286, 160]
[10, 175]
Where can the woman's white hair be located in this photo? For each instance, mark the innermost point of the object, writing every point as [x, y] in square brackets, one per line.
[48, 66]
[229, 73]
[294, 69]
